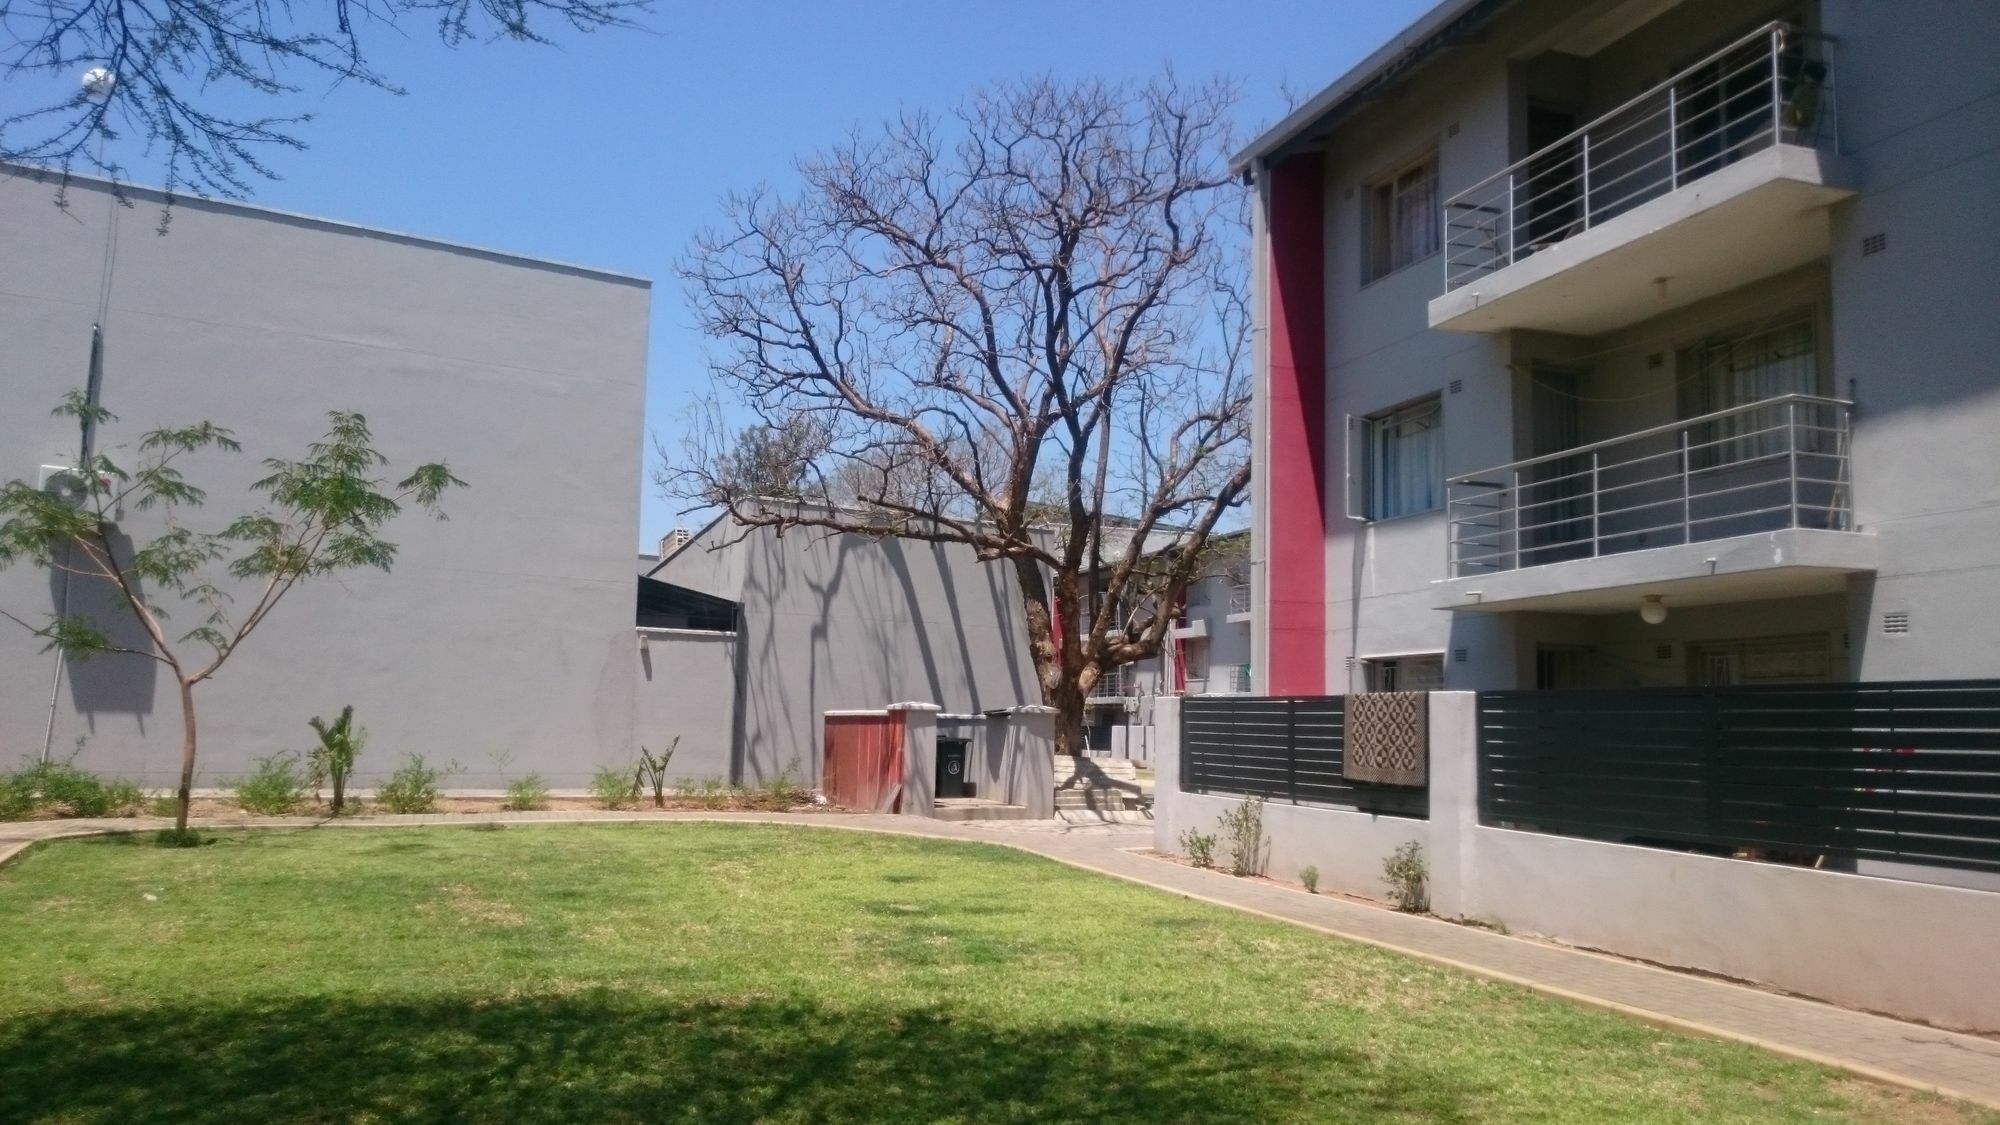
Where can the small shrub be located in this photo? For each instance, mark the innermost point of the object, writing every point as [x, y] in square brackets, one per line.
[414, 787]
[526, 794]
[61, 789]
[340, 743]
[1199, 847]
[1408, 876]
[1309, 878]
[1242, 831]
[17, 796]
[653, 770]
[614, 786]
[166, 806]
[277, 787]
[783, 790]
[704, 792]
[179, 837]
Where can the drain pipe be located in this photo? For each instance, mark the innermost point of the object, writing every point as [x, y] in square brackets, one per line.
[92, 390]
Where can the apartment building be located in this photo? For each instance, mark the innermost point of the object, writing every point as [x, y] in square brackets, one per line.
[1616, 343]
[1207, 653]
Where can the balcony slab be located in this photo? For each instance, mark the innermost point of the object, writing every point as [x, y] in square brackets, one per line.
[1756, 218]
[1789, 563]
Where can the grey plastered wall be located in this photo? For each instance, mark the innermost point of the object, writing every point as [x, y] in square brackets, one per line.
[1917, 342]
[507, 629]
[687, 690]
[845, 622]
[1348, 847]
[1831, 935]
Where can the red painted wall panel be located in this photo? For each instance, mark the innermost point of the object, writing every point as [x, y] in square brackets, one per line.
[1295, 437]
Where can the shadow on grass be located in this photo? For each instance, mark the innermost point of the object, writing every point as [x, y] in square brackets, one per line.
[606, 1057]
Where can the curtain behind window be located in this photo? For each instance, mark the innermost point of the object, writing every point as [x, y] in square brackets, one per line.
[1408, 461]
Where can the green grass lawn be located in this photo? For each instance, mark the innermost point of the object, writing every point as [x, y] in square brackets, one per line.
[734, 972]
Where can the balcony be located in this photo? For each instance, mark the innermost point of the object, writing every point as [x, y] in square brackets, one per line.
[1717, 177]
[1113, 685]
[1745, 503]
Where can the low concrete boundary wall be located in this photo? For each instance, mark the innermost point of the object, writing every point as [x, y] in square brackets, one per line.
[1917, 950]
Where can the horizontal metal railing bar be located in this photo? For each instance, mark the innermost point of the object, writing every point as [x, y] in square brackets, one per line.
[1762, 33]
[1665, 428]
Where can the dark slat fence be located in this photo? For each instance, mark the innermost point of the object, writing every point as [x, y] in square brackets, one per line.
[1281, 748]
[1905, 771]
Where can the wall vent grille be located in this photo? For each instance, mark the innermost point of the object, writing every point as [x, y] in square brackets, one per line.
[1457, 385]
[1458, 656]
[1895, 623]
[1874, 244]
[1663, 652]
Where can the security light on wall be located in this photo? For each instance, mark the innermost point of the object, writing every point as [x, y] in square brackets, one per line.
[1653, 609]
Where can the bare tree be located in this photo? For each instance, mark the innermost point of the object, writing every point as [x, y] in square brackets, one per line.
[169, 71]
[1022, 329]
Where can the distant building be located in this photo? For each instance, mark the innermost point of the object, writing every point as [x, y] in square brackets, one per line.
[749, 636]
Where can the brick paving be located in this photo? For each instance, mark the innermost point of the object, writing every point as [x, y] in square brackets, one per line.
[1962, 1066]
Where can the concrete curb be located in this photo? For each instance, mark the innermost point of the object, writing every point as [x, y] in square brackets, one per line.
[10, 849]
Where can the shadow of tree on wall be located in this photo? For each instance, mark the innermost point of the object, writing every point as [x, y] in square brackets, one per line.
[604, 1056]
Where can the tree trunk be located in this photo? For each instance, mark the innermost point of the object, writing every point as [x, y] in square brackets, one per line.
[1067, 699]
[339, 792]
[187, 756]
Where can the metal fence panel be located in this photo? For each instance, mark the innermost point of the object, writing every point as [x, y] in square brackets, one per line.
[1902, 771]
[1281, 748]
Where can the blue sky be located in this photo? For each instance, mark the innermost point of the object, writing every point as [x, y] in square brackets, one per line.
[613, 149]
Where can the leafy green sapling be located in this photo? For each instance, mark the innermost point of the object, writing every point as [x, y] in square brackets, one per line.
[323, 514]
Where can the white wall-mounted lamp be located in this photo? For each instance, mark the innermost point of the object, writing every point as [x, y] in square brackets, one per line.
[1653, 609]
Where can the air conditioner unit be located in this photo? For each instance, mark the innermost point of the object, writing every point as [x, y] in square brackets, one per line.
[62, 480]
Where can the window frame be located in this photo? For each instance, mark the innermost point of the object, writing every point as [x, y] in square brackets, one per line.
[1381, 260]
[1385, 673]
[1374, 458]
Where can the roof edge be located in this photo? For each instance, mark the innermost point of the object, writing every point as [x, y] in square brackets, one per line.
[1431, 32]
[9, 170]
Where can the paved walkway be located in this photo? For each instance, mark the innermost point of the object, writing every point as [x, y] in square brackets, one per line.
[1962, 1066]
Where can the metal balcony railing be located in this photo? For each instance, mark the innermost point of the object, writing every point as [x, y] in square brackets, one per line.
[1239, 679]
[1773, 86]
[1113, 683]
[1239, 598]
[1778, 463]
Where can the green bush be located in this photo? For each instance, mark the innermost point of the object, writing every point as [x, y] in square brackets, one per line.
[704, 792]
[1408, 876]
[1309, 878]
[165, 805]
[615, 786]
[526, 794]
[1199, 847]
[332, 761]
[414, 787]
[653, 769]
[277, 787]
[783, 790]
[61, 789]
[1243, 834]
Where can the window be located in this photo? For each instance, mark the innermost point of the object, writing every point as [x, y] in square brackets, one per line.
[1406, 460]
[1403, 217]
[1748, 367]
[1407, 673]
